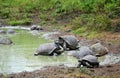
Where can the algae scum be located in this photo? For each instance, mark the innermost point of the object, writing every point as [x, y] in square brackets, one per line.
[20, 57]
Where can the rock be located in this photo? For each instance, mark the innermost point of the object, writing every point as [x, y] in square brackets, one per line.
[39, 28]
[5, 40]
[99, 49]
[35, 27]
[69, 30]
[2, 32]
[1, 75]
[11, 31]
[0, 25]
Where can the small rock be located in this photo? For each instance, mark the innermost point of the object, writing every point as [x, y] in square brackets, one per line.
[35, 27]
[1, 75]
[0, 25]
[11, 31]
[5, 40]
[108, 66]
[68, 30]
[92, 70]
[117, 69]
[39, 28]
[82, 77]
[2, 32]
[110, 70]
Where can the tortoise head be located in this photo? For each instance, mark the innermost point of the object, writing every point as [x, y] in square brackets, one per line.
[60, 41]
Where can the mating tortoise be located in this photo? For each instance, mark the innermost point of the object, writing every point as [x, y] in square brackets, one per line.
[89, 61]
[49, 49]
[68, 42]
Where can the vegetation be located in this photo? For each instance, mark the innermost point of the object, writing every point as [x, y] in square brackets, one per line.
[78, 15]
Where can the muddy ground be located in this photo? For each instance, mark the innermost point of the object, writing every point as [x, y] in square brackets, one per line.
[108, 71]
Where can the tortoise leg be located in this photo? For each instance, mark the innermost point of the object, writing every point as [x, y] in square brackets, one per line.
[96, 65]
[65, 46]
[86, 64]
[79, 65]
[55, 54]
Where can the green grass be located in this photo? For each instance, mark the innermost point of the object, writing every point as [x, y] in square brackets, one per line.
[94, 15]
[80, 30]
[88, 33]
[20, 22]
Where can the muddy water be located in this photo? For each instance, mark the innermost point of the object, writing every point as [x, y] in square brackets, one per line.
[110, 59]
[20, 56]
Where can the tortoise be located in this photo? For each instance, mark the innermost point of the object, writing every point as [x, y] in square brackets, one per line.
[89, 61]
[99, 49]
[83, 51]
[49, 49]
[68, 42]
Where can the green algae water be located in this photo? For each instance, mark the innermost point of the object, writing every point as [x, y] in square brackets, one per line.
[20, 57]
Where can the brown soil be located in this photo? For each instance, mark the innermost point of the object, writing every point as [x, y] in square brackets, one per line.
[110, 71]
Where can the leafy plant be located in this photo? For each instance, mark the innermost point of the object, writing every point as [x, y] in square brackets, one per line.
[83, 69]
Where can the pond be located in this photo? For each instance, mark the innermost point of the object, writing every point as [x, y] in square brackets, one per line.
[20, 56]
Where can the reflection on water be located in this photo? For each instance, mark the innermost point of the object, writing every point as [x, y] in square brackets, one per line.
[20, 56]
[111, 59]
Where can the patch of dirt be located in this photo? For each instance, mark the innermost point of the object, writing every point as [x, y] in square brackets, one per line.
[52, 72]
[109, 71]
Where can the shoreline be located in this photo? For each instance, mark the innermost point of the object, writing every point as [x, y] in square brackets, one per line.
[109, 71]
[73, 72]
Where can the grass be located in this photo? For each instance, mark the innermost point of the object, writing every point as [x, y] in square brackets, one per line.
[20, 22]
[89, 34]
[82, 16]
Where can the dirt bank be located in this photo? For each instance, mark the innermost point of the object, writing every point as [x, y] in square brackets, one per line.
[109, 71]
